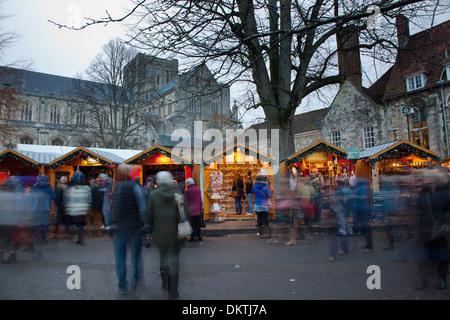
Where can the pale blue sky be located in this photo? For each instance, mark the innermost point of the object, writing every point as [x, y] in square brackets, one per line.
[52, 50]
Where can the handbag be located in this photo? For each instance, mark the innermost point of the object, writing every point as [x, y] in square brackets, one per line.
[234, 193]
[184, 227]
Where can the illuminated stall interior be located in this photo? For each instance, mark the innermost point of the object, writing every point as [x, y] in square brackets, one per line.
[401, 159]
[15, 164]
[88, 162]
[331, 161]
[219, 174]
[158, 158]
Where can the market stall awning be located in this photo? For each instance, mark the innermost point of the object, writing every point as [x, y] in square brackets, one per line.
[396, 149]
[16, 155]
[83, 152]
[157, 150]
[242, 148]
[320, 145]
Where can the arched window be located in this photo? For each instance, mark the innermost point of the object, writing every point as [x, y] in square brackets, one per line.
[57, 142]
[26, 111]
[419, 124]
[81, 117]
[55, 114]
[26, 140]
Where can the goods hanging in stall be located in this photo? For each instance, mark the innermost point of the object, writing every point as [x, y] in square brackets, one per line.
[330, 161]
[158, 158]
[220, 172]
[396, 165]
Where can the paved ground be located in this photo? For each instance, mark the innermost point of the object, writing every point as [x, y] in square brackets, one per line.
[236, 267]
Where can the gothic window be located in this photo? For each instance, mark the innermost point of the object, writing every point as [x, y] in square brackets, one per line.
[419, 127]
[26, 112]
[214, 106]
[55, 114]
[81, 117]
[158, 76]
[57, 142]
[26, 140]
[104, 123]
[193, 105]
[167, 76]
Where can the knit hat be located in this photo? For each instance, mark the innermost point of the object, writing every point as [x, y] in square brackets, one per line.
[78, 177]
[190, 181]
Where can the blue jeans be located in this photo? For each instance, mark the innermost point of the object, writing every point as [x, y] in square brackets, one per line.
[250, 202]
[238, 205]
[132, 240]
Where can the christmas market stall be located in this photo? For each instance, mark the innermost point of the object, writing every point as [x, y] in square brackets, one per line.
[395, 166]
[330, 161]
[158, 158]
[90, 162]
[219, 174]
[14, 163]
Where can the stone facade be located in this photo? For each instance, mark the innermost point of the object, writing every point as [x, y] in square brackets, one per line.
[48, 113]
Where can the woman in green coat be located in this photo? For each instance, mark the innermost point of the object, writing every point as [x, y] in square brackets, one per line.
[163, 215]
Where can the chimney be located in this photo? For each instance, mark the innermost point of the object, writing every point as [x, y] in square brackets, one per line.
[349, 56]
[402, 24]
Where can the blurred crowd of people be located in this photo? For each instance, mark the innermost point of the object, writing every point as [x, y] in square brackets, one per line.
[425, 214]
[133, 213]
[130, 212]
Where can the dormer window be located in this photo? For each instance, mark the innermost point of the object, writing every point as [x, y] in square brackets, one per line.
[416, 81]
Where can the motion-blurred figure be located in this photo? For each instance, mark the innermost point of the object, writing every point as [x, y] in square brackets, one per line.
[77, 199]
[41, 195]
[61, 218]
[343, 215]
[432, 208]
[193, 199]
[10, 219]
[105, 184]
[163, 215]
[363, 211]
[262, 194]
[305, 194]
[129, 216]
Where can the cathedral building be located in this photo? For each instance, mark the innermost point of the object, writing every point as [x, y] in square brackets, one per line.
[63, 111]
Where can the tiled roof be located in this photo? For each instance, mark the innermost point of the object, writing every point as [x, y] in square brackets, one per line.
[425, 51]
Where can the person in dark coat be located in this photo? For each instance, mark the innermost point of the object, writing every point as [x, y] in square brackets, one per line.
[41, 195]
[238, 185]
[163, 215]
[193, 199]
[129, 216]
[61, 218]
[433, 205]
[363, 211]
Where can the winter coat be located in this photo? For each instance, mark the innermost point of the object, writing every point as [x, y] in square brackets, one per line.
[238, 185]
[77, 199]
[163, 215]
[431, 206]
[41, 195]
[261, 193]
[129, 206]
[193, 198]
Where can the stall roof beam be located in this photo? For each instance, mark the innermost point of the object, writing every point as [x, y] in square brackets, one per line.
[316, 146]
